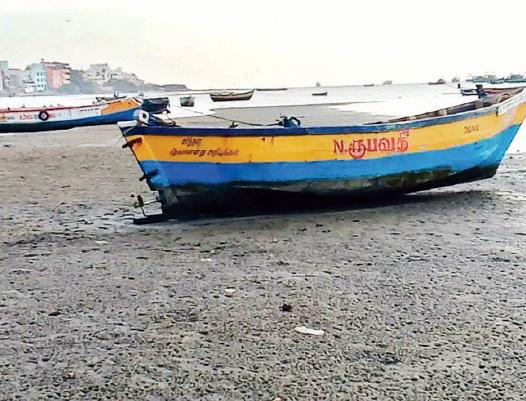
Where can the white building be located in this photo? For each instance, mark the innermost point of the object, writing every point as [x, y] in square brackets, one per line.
[30, 87]
[35, 76]
[4, 66]
[100, 73]
[14, 79]
[118, 73]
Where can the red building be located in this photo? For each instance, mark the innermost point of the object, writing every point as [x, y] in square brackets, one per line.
[57, 74]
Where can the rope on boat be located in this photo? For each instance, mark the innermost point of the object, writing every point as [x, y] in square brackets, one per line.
[232, 121]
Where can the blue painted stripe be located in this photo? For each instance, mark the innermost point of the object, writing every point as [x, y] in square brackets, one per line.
[488, 152]
[279, 131]
[113, 118]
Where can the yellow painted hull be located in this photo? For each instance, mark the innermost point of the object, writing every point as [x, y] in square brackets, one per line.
[401, 157]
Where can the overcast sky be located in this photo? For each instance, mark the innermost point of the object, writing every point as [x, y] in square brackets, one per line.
[243, 43]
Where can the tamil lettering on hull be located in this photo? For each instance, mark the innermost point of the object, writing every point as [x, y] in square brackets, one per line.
[359, 148]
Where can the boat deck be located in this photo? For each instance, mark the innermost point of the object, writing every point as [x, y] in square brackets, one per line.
[310, 116]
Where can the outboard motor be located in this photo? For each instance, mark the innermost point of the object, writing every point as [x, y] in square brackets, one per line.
[289, 122]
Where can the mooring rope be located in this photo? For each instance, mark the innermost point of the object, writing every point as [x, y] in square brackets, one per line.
[224, 118]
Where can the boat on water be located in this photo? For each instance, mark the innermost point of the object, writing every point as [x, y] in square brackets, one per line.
[388, 82]
[188, 165]
[231, 96]
[34, 119]
[497, 81]
[156, 105]
[271, 89]
[187, 101]
[439, 82]
[515, 79]
[110, 98]
[324, 93]
[368, 85]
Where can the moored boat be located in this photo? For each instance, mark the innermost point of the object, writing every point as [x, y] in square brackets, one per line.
[440, 148]
[115, 96]
[66, 117]
[439, 82]
[271, 89]
[187, 101]
[156, 104]
[515, 79]
[324, 93]
[231, 96]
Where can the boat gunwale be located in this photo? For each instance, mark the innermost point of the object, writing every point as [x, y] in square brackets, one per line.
[360, 128]
[54, 108]
[326, 130]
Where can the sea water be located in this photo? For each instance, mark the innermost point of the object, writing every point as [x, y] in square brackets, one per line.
[392, 100]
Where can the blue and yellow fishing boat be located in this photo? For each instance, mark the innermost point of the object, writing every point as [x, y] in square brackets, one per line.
[445, 147]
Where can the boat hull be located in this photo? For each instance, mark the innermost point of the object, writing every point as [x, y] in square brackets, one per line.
[187, 101]
[156, 105]
[193, 163]
[113, 118]
[231, 97]
[62, 118]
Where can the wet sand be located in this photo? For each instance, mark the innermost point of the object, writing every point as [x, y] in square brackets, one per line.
[421, 299]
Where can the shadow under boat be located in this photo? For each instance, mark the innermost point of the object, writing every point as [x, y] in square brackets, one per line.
[244, 202]
[269, 203]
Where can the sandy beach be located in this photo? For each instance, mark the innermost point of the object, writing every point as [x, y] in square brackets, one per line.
[419, 299]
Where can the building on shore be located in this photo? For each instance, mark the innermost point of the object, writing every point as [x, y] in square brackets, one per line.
[119, 74]
[35, 78]
[14, 80]
[99, 73]
[4, 66]
[57, 74]
[48, 77]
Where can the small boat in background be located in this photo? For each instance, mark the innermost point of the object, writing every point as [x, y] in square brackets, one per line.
[497, 81]
[110, 98]
[388, 82]
[320, 93]
[368, 85]
[318, 84]
[231, 96]
[156, 105]
[187, 101]
[271, 89]
[455, 80]
[37, 119]
[439, 82]
[516, 79]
